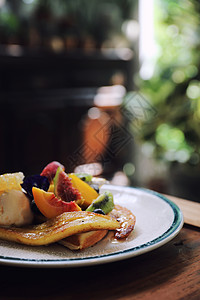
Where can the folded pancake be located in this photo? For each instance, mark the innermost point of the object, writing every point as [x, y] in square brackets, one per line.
[126, 219]
[83, 240]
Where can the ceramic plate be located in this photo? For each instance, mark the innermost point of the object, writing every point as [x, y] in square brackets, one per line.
[158, 220]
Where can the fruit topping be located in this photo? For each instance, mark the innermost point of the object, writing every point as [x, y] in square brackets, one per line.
[11, 181]
[51, 206]
[50, 170]
[39, 181]
[84, 176]
[87, 192]
[99, 211]
[103, 202]
[63, 187]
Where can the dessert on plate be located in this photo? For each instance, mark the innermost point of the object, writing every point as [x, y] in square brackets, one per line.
[56, 206]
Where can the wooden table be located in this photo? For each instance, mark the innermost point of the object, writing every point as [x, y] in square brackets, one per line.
[169, 272]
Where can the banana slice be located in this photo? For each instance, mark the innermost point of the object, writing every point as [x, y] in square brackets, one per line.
[58, 228]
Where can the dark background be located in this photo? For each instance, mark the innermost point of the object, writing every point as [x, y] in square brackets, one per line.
[53, 59]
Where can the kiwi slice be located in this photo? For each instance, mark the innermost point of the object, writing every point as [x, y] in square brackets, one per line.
[104, 202]
[84, 176]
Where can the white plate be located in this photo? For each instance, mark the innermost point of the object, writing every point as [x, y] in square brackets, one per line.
[158, 220]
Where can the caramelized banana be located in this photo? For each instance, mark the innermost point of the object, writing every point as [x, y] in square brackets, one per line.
[58, 228]
[125, 218]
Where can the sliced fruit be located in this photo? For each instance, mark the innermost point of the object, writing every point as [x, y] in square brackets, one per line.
[11, 181]
[39, 181]
[103, 202]
[58, 228]
[87, 192]
[63, 187]
[50, 206]
[50, 170]
[84, 176]
[51, 187]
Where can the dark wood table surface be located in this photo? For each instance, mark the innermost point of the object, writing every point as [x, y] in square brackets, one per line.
[169, 272]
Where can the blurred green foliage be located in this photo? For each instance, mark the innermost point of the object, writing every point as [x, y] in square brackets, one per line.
[174, 88]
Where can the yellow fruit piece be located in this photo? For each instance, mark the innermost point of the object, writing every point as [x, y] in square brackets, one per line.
[11, 181]
[87, 192]
[51, 188]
